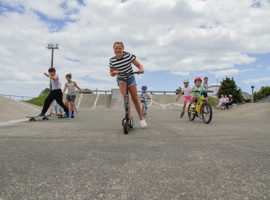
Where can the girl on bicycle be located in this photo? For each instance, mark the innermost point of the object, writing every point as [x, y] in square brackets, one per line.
[187, 95]
[121, 64]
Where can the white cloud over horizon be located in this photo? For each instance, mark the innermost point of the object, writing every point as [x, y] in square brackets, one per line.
[183, 37]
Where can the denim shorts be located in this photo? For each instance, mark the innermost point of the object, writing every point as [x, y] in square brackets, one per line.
[131, 80]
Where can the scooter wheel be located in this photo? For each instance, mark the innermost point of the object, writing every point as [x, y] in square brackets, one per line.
[126, 127]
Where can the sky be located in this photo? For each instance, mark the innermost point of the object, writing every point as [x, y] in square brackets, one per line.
[172, 39]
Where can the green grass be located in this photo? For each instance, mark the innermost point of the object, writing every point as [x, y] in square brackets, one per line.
[38, 101]
[213, 101]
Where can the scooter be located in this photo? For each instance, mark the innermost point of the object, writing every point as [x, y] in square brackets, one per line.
[145, 105]
[126, 122]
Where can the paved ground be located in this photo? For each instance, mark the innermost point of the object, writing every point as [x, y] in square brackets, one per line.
[89, 157]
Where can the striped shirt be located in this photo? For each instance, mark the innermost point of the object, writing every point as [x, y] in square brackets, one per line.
[123, 65]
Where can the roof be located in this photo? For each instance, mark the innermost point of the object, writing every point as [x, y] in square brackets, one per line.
[246, 96]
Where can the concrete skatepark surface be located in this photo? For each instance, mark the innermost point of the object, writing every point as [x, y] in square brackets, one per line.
[89, 157]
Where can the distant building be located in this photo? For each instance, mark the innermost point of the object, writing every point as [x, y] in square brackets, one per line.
[215, 89]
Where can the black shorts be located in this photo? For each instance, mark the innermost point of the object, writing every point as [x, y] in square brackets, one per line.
[205, 94]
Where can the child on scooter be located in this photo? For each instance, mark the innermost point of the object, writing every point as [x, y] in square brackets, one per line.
[121, 64]
[187, 95]
[144, 95]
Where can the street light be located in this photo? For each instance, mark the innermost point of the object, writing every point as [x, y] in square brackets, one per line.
[50, 46]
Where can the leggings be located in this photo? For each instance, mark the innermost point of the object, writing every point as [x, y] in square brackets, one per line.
[58, 96]
[227, 105]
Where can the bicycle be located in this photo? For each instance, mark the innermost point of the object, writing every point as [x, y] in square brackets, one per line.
[203, 107]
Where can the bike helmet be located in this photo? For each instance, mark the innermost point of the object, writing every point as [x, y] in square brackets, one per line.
[144, 87]
[186, 80]
[197, 79]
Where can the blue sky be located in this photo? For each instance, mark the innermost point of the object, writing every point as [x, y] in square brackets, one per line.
[172, 39]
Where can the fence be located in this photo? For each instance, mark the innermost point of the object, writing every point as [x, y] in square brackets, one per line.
[149, 91]
[21, 98]
[24, 98]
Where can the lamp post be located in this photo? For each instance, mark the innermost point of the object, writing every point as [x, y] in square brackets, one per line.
[52, 47]
[252, 87]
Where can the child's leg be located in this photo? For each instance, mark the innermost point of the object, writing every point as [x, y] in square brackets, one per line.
[142, 107]
[72, 100]
[60, 110]
[184, 106]
[72, 106]
[59, 97]
[48, 101]
[134, 96]
[193, 99]
[66, 102]
[55, 106]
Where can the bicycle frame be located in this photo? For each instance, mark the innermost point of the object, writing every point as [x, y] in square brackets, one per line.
[198, 105]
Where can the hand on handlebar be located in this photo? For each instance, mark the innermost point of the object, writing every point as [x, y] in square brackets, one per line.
[140, 71]
[114, 73]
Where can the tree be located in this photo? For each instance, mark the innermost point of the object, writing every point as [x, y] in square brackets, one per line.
[264, 92]
[45, 91]
[178, 90]
[227, 87]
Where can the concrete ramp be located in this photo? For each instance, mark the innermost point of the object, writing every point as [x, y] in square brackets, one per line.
[15, 110]
[256, 111]
[165, 102]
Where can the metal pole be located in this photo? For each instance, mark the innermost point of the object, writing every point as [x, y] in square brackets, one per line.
[252, 93]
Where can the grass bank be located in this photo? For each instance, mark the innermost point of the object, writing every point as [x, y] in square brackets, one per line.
[213, 101]
[38, 101]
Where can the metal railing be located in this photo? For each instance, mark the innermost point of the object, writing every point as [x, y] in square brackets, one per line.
[149, 91]
[21, 98]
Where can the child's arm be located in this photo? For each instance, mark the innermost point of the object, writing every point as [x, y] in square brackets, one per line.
[65, 88]
[75, 84]
[51, 77]
[113, 72]
[139, 66]
[179, 95]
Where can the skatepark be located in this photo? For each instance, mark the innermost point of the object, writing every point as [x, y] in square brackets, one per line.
[89, 157]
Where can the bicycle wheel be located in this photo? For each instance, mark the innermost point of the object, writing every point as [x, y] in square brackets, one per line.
[206, 112]
[191, 113]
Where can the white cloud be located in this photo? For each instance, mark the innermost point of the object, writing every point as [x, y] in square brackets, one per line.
[181, 73]
[223, 73]
[182, 37]
[268, 68]
[266, 79]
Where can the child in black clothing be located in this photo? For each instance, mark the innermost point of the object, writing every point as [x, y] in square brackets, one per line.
[55, 93]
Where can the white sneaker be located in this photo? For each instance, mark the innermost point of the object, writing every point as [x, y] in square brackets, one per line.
[200, 116]
[143, 123]
[192, 105]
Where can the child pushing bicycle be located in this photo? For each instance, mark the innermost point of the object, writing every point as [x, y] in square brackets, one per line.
[187, 95]
[144, 96]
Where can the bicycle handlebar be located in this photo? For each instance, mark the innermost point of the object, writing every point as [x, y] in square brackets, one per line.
[201, 91]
